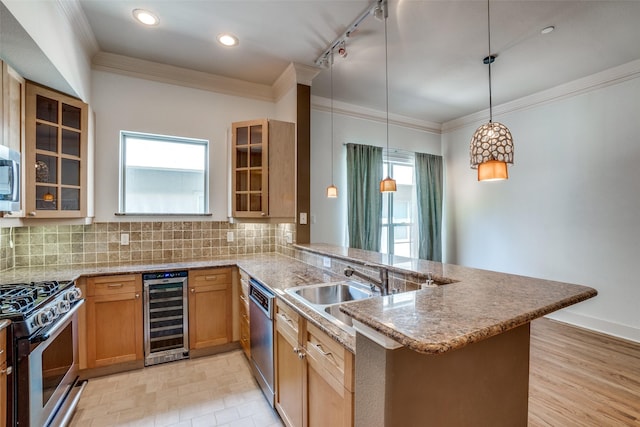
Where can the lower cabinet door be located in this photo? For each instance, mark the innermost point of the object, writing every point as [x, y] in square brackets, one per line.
[327, 404]
[290, 372]
[114, 329]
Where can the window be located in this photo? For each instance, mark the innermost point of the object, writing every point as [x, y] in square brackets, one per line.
[163, 174]
[399, 209]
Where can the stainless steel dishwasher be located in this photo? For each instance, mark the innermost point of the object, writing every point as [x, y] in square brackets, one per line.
[261, 337]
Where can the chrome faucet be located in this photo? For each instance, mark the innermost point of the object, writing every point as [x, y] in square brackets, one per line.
[382, 284]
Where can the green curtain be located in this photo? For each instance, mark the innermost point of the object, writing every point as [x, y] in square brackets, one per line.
[364, 172]
[429, 192]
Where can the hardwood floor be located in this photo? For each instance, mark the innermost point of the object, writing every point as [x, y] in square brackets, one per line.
[582, 378]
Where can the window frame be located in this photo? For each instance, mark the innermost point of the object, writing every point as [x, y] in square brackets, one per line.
[400, 158]
[124, 134]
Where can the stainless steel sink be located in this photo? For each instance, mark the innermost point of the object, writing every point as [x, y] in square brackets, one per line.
[334, 311]
[333, 293]
[326, 298]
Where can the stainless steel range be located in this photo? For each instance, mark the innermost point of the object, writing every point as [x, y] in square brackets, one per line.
[42, 351]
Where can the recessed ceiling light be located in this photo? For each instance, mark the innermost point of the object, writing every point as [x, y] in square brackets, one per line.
[227, 39]
[145, 17]
[547, 30]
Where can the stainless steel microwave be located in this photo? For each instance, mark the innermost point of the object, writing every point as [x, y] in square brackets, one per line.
[9, 179]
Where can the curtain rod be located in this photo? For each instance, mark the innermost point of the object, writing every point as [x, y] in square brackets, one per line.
[394, 150]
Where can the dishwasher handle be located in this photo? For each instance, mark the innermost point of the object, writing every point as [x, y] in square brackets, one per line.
[261, 297]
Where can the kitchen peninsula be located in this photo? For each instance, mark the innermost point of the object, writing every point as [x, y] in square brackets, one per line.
[456, 354]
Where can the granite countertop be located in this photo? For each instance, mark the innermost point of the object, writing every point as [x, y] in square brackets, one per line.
[474, 305]
[277, 272]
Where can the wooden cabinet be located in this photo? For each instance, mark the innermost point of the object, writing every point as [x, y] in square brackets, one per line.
[243, 317]
[290, 368]
[3, 375]
[315, 374]
[264, 164]
[12, 114]
[330, 381]
[210, 309]
[55, 157]
[114, 320]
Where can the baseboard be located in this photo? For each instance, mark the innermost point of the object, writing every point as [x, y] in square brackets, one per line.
[209, 351]
[599, 325]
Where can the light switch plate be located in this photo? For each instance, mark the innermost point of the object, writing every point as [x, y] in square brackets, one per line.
[289, 237]
[303, 218]
[229, 236]
[326, 262]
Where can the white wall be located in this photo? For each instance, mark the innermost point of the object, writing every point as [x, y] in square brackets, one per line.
[569, 210]
[126, 103]
[330, 215]
[48, 26]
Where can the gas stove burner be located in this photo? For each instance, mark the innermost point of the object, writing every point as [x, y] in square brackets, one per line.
[17, 298]
[46, 288]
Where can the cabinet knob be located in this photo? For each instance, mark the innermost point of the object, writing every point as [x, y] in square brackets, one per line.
[263, 213]
[193, 290]
[296, 350]
[301, 355]
[137, 295]
[32, 213]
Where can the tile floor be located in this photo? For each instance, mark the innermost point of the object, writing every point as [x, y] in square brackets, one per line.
[210, 391]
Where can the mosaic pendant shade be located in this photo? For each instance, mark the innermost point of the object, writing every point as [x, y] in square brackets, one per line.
[491, 150]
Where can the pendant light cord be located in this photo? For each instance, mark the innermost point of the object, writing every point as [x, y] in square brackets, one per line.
[490, 60]
[331, 78]
[386, 79]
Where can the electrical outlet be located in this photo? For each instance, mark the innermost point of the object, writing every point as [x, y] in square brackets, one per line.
[289, 237]
[229, 236]
[326, 262]
[303, 218]
[124, 239]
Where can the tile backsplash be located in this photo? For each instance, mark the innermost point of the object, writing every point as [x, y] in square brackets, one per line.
[161, 241]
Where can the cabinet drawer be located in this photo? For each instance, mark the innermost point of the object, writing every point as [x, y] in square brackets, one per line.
[109, 285]
[287, 321]
[207, 277]
[330, 358]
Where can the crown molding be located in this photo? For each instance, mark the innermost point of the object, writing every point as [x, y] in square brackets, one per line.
[163, 73]
[351, 110]
[612, 76]
[292, 75]
[72, 10]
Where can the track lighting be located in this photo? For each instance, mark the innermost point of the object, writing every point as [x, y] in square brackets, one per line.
[342, 49]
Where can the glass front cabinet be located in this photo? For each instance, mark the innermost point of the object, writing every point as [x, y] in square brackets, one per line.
[56, 153]
[263, 169]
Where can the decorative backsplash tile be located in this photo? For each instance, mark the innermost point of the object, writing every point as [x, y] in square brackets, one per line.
[6, 253]
[166, 241]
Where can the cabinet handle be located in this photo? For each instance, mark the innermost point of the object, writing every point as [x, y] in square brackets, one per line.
[319, 347]
[137, 295]
[285, 318]
[115, 285]
[241, 297]
[1, 351]
[301, 354]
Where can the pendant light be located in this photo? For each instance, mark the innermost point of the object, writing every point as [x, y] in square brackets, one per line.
[332, 190]
[492, 144]
[387, 185]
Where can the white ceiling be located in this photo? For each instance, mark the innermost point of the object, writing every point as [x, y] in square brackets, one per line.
[435, 47]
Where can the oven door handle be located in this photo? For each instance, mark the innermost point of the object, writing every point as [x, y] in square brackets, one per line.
[57, 325]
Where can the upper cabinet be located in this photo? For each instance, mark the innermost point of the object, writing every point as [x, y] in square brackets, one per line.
[55, 157]
[263, 169]
[12, 104]
[12, 108]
